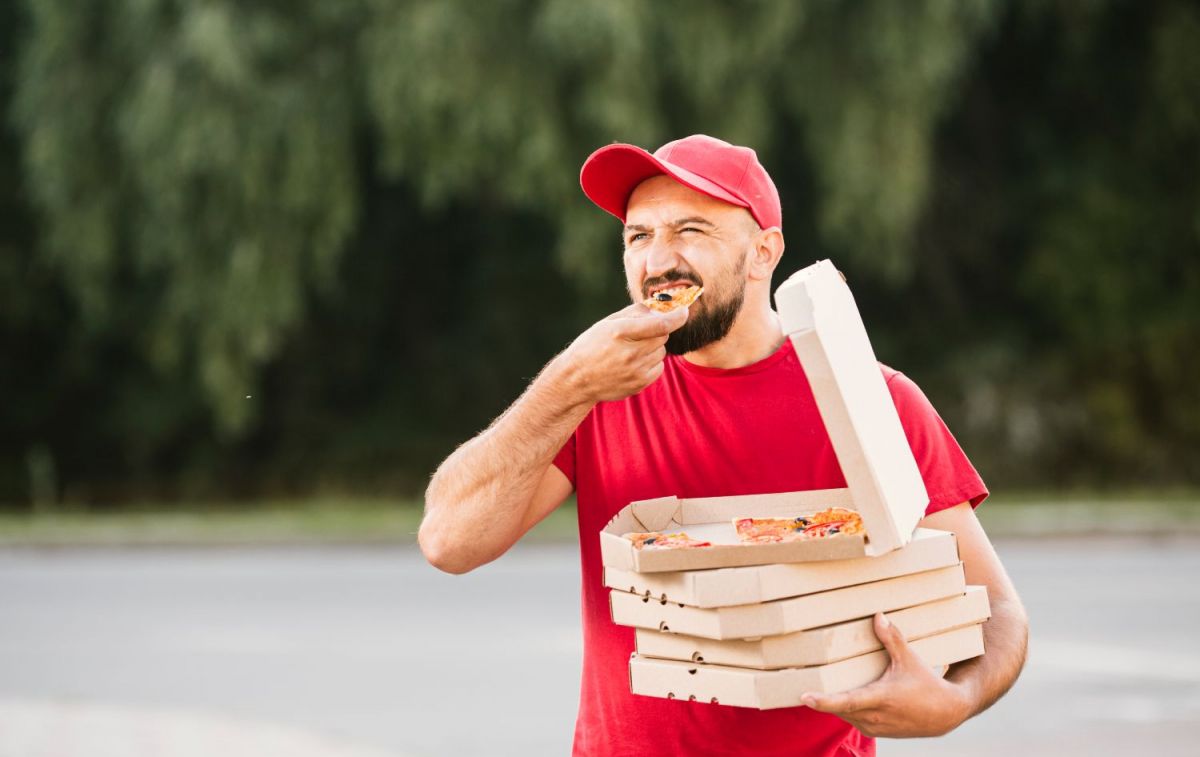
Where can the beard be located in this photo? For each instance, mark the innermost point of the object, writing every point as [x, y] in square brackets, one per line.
[710, 318]
[705, 325]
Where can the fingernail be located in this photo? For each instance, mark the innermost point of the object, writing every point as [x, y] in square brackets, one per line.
[808, 700]
[883, 621]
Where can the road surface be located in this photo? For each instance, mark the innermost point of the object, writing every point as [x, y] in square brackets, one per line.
[368, 652]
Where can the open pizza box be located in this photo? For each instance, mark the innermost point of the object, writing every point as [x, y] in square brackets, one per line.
[883, 482]
[769, 689]
[822, 645]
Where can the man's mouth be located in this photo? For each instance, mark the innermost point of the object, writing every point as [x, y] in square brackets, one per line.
[677, 284]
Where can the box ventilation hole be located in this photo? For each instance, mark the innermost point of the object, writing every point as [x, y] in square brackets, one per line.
[663, 599]
[713, 701]
[670, 695]
[663, 626]
[697, 657]
[692, 698]
[692, 672]
[633, 590]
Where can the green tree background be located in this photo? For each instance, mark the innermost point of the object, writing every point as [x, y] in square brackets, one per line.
[272, 248]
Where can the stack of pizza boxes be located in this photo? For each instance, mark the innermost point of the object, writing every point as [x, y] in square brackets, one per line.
[758, 625]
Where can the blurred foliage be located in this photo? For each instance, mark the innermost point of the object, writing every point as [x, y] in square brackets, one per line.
[284, 247]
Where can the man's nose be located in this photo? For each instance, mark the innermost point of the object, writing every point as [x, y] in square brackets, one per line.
[662, 256]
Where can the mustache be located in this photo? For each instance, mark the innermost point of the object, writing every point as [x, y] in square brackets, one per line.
[670, 277]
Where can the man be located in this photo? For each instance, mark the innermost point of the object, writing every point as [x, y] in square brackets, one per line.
[708, 400]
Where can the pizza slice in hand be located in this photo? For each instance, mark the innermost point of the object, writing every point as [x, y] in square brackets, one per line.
[666, 300]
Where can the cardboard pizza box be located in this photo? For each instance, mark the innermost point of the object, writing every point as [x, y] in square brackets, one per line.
[820, 317]
[788, 615]
[711, 519]
[770, 689]
[724, 587]
[819, 646]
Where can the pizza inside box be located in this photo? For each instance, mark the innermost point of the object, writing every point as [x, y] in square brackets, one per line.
[758, 621]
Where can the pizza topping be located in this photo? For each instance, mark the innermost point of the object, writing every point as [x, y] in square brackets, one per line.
[834, 521]
[656, 540]
[830, 522]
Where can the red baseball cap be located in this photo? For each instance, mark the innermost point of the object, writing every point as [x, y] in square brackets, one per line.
[718, 169]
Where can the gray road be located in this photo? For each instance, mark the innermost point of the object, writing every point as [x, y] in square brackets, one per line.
[369, 652]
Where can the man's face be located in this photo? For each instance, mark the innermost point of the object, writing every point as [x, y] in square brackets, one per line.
[675, 235]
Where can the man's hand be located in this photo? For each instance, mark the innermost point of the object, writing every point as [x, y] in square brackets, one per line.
[504, 476]
[621, 355]
[909, 700]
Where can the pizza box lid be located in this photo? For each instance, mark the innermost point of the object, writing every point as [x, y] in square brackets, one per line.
[771, 689]
[711, 518]
[821, 318]
[787, 615]
[723, 587]
[819, 646]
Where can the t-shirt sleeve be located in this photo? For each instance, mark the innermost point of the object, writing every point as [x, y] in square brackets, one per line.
[565, 459]
[950, 478]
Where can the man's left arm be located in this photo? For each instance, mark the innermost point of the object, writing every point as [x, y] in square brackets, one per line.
[911, 699]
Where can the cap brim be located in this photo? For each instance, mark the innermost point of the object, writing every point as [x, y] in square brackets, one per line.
[610, 175]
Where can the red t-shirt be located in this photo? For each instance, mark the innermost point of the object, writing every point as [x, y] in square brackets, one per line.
[707, 432]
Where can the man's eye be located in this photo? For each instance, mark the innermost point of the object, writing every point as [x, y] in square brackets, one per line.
[689, 228]
[637, 237]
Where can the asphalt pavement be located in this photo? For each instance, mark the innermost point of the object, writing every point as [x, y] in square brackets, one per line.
[368, 652]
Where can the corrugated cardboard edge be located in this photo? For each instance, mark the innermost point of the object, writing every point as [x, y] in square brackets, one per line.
[725, 587]
[936, 651]
[819, 315]
[940, 616]
[818, 646]
[788, 615]
[783, 688]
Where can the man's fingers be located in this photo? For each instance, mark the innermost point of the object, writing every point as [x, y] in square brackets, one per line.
[652, 325]
[653, 372]
[652, 365]
[861, 698]
[893, 640]
[655, 356]
[629, 311]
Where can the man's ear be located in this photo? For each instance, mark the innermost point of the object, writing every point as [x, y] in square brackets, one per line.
[768, 249]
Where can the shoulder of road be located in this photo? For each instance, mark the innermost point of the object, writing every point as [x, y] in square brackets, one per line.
[395, 522]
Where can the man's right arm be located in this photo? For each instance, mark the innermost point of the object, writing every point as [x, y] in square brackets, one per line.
[497, 486]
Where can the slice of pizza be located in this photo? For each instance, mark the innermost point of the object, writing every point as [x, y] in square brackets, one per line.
[830, 522]
[656, 540]
[666, 300]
